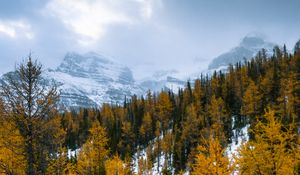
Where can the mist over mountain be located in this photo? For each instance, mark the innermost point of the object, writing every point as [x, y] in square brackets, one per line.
[248, 48]
[163, 79]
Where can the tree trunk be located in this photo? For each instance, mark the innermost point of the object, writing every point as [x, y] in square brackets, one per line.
[30, 152]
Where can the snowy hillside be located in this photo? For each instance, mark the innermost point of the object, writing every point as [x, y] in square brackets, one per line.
[240, 136]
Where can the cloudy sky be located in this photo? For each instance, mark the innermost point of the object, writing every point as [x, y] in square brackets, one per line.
[146, 35]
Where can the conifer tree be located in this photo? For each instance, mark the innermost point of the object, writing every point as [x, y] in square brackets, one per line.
[217, 113]
[164, 110]
[12, 159]
[211, 159]
[94, 152]
[288, 100]
[146, 128]
[127, 142]
[59, 163]
[275, 149]
[30, 103]
[198, 95]
[115, 166]
[190, 131]
[251, 100]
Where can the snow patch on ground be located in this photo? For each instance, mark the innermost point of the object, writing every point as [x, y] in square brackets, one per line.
[73, 153]
[141, 154]
[237, 140]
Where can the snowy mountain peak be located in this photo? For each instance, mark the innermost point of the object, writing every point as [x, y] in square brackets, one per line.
[255, 42]
[252, 41]
[88, 80]
[248, 48]
[95, 66]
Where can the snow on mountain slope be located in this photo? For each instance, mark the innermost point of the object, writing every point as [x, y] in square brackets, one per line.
[91, 79]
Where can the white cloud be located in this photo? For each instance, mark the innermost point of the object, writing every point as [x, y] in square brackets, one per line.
[16, 29]
[147, 7]
[90, 19]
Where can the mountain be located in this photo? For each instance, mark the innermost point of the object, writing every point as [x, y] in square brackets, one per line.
[163, 79]
[91, 79]
[248, 48]
[88, 80]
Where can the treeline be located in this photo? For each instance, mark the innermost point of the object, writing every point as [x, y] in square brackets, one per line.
[187, 131]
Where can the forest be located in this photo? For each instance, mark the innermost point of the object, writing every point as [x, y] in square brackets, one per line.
[188, 130]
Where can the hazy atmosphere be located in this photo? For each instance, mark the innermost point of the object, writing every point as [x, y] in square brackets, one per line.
[145, 35]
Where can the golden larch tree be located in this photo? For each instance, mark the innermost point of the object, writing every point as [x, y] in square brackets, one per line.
[30, 103]
[211, 160]
[275, 149]
[217, 113]
[94, 152]
[115, 166]
[12, 159]
[164, 109]
[251, 100]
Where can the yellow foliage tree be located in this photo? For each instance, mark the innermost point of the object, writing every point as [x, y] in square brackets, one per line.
[12, 159]
[198, 95]
[251, 100]
[94, 152]
[288, 101]
[115, 166]
[212, 160]
[58, 165]
[30, 105]
[217, 113]
[164, 109]
[275, 149]
[71, 169]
